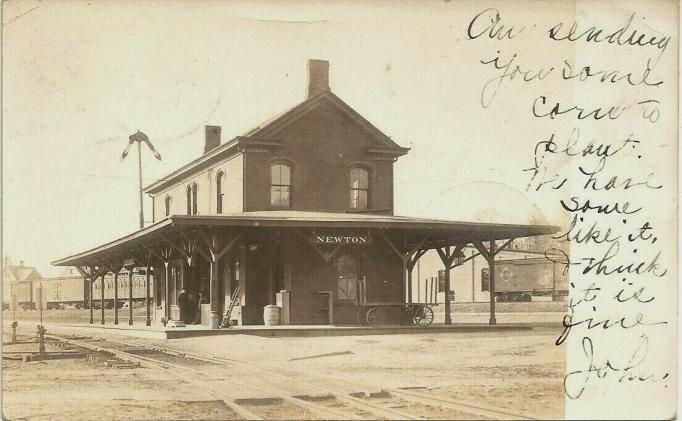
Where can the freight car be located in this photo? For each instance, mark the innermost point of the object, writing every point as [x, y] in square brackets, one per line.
[523, 279]
[73, 291]
[23, 292]
[60, 292]
[139, 282]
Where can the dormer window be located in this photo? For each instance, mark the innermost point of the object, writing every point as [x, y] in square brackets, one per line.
[359, 188]
[280, 185]
[219, 192]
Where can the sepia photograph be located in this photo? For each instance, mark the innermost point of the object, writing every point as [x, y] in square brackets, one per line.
[289, 210]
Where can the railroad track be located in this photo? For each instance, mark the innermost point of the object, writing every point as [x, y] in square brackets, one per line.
[314, 396]
[216, 382]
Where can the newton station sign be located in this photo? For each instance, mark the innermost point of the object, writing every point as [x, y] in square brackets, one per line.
[342, 239]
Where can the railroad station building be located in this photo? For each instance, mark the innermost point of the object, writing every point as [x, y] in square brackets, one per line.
[297, 212]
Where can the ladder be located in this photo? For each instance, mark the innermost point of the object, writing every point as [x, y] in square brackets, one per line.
[226, 319]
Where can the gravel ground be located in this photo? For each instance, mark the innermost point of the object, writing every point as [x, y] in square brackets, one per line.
[75, 389]
[519, 371]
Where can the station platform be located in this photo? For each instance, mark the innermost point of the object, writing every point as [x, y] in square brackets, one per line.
[328, 330]
[160, 332]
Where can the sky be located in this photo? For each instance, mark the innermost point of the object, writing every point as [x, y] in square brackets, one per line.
[80, 77]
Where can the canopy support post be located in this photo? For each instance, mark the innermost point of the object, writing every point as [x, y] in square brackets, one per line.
[491, 265]
[489, 255]
[102, 295]
[164, 255]
[116, 296]
[406, 257]
[215, 252]
[167, 291]
[148, 321]
[87, 287]
[92, 316]
[130, 295]
[447, 256]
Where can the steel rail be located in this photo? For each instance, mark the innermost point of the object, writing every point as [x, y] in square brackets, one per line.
[476, 410]
[376, 409]
[320, 410]
[151, 363]
[487, 412]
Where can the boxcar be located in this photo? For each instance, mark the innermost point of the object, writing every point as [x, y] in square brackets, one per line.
[521, 279]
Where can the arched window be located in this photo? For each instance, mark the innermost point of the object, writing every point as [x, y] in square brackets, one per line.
[219, 192]
[347, 271]
[194, 199]
[280, 186]
[168, 205]
[189, 200]
[359, 188]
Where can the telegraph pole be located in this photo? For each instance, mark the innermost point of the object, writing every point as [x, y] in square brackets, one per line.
[138, 138]
[139, 171]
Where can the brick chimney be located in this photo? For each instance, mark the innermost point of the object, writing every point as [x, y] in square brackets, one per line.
[212, 138]
[318, 76]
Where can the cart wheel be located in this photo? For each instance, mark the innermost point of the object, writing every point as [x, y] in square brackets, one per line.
[422, 316]
[376, 316]
[361, 316]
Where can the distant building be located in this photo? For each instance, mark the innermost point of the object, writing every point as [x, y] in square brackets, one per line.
[18, 280]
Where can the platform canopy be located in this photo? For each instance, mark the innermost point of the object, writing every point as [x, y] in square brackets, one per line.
[416, 232]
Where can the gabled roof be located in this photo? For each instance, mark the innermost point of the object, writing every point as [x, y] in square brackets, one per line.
[263, 134]
[15, 273]
[269, 127]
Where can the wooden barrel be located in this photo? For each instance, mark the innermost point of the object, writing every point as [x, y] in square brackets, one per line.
[271, 315]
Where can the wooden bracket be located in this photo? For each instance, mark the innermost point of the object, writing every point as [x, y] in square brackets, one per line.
[82, 271]
[192, 246]
[482, 250]
[145, 256]
[487, 253]
[398, 253]
[228, 246]
[416, 253]
[182, 252]
[95, 272]
[153, 253]
[499, 249]
[408, 257]
[416, 256]
[447, 256]
[166, 254]
[212, 244]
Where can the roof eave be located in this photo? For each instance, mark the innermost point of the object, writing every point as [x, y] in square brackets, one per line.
[68, 261]
[448, 231]
[182, 171]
